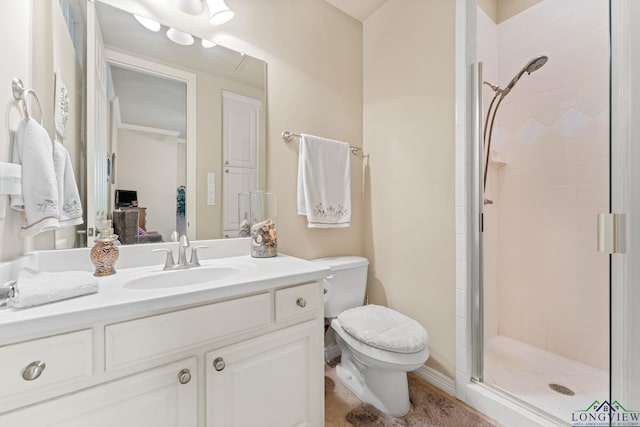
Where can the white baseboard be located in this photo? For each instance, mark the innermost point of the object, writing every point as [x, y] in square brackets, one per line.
[439, 380]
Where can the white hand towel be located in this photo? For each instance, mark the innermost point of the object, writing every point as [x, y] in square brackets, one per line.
[68, 195]
[324, 182]
[32, 148]
[34, 287]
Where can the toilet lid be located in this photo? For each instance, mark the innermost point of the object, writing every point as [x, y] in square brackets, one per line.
[384, 328]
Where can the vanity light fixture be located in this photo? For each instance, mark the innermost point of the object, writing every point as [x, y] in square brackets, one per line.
[219, 12]
[149, 24]
[192, 7]
[208, 44]
[180, 37]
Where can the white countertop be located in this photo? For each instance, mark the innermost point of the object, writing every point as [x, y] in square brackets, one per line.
[115, 301]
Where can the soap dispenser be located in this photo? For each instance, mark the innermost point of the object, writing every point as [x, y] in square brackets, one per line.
[105, 250]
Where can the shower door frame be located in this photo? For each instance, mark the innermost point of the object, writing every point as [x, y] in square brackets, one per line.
[625, 199]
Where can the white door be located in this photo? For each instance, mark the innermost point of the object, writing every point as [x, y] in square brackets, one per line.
[97, 122]
[235, 181]
[154, 398]
[271, 381]
[239, 130]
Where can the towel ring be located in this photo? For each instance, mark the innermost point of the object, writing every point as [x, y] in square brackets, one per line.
[21, 94]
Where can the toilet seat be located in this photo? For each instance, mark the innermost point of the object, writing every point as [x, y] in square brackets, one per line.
[384, 329]
[394, 360]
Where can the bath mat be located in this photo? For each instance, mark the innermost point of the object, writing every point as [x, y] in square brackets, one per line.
[428, 408]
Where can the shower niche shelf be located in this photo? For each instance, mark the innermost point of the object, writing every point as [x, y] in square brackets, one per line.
[496, 159]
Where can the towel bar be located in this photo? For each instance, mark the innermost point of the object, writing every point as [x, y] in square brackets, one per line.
[287, 136]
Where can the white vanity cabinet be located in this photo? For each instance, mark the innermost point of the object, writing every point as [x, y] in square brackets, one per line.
[250, 359]
[276, 379]
[268, 381]
[160, 397]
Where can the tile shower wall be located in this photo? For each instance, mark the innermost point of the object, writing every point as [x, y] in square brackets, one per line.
[552, 132]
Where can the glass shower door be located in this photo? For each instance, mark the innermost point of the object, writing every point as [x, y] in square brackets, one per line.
[545, 296]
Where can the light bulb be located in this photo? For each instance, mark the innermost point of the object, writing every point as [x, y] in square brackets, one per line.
[208, 44]
[219, 12]
[180, 37]
[149, 24]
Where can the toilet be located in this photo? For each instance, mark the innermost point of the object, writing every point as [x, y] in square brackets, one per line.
[378, 345]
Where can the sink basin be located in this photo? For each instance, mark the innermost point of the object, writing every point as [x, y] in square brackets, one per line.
[177, 278]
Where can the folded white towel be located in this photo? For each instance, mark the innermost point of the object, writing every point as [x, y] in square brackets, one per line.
[324, 182]
[32, 148]
[35, 287]
[68, 195]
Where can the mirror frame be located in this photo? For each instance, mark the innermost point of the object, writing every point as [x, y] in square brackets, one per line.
[130, 62]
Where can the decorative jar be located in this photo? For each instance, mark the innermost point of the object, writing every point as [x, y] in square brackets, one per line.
[264, 237]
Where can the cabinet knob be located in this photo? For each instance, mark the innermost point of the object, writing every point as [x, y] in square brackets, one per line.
[33, 370]
[301, 302]
[226, 162]
[219, 364]
[184, 376]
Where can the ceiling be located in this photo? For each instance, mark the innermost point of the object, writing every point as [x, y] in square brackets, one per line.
[359, 9]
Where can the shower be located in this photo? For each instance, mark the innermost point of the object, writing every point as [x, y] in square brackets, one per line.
[531, 66]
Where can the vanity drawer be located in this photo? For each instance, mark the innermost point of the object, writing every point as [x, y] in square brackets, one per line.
[141, 340]
[45, 363]
[297, 301]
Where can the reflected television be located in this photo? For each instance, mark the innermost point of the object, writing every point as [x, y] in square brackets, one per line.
[126, 198]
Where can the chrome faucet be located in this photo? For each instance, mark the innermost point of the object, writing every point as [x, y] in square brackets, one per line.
[170, 264]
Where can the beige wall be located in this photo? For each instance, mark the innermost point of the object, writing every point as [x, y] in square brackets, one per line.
[140, 155]
[509, 8]
[501, 10]
[209, 150]
[490, 8]
[15, 59]
[409, 216]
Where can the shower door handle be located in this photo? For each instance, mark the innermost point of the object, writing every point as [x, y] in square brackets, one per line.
[612, 233]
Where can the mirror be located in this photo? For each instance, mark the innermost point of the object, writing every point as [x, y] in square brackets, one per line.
[176, 132]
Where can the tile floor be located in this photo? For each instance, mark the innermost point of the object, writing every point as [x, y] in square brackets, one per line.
[339, 401]
[526, 371]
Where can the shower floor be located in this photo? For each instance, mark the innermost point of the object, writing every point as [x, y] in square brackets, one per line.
[526, 372]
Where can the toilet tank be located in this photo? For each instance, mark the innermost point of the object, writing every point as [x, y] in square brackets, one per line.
[346, 285]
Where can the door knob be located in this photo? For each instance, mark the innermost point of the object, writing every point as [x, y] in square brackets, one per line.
[33, 370]
[184, 376]
[219, 364]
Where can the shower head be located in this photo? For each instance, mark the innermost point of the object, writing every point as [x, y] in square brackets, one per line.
[530, 67]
